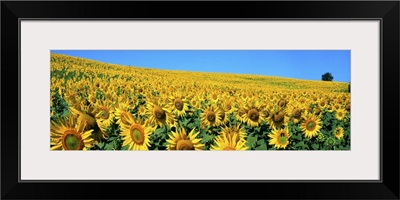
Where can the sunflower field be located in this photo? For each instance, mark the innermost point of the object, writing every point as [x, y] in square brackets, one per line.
[101, 106]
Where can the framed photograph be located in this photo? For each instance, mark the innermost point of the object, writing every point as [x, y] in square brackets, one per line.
[300, 98]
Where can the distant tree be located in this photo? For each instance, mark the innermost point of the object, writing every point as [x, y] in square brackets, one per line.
[327, 76]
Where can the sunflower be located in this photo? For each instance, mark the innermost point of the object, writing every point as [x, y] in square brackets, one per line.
[311, 125]
[295, 113]
[279, 138]
[159, 114]
[142, 110]
[122, 114]
[70, 134]
[340, 114]
[228, 106]
[223, 116]
[210, 116]
[178, 105]
[214, 97]
[234, 130]
[240, 113]
[282, 103]
[105, 114]
[347, 107]
[179, 140]
[87, 114]
[229, 142]
[195, 102]
[336, 106]
[339, 132]
[253, 116]
[136, 134]
[322, 103]
[278, 118]
[330, 108]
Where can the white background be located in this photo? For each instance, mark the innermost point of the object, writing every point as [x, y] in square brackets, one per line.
[39, 163]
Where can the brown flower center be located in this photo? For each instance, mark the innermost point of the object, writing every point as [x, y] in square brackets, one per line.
[337, 106]
[266, 113]
[159, 113]
[228, 106]
[210, 116]
[178, 104]
[296, 113]
[184, 145]
[253, 114]
[105, 113]
[348, 107]
[278, 117]
[215, 96]
[282, 103]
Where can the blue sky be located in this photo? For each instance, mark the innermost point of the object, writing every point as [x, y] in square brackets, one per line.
[300, 64]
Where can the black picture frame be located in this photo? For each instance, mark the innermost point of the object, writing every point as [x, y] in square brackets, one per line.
[13, 11]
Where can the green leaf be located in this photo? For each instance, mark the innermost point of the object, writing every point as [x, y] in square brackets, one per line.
[263, 145]
[315, 146]
[301, 144]
[206, 138]
[159, 131]
[109, 146]
[251, 141]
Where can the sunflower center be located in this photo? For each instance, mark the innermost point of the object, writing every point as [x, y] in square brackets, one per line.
[282, 138]
[105, 113]
[322, 103]
[72, 141]
[159, 113]
[214, 96]
[266, 113]
[340, 114]
[282, 103]
[278, 117]
[253, 114]
[348, 107]
[228, 106]
[296, 113]
[210, 116]
[184, 145]
[137, 134]
[311, 125]
[229, 148]
[178, 104]
[337, 106]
